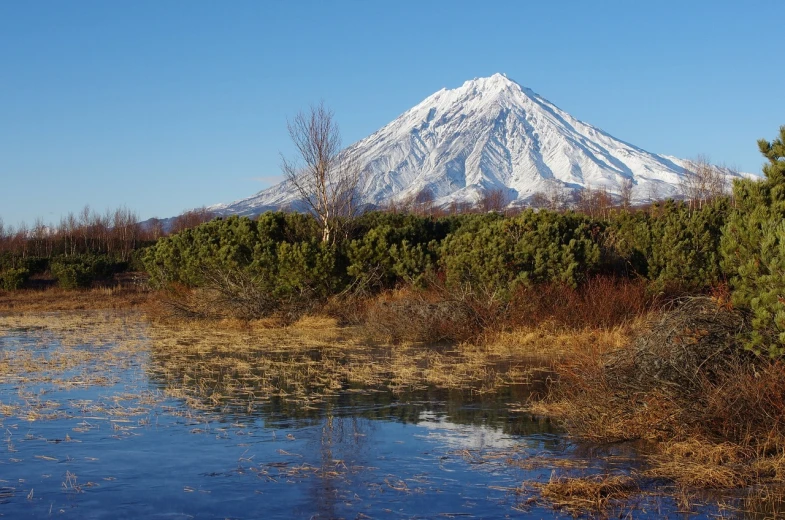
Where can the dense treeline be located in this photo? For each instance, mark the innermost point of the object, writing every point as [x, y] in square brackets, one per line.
[82, 247]
[113, 233]
[76, 251]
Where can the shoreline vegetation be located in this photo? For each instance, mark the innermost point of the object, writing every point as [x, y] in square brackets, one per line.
[714, 436]
[662, 326]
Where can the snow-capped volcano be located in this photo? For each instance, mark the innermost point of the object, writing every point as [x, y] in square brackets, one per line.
[489, 134]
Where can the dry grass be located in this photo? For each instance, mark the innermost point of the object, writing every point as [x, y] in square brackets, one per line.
[701, 464]
[579, 495]
[659, 384]
[557, 319]
[586, 402]
[549, 461]
[549, 342]
[315, 357]
[238, 363]
[760, 503]
[57, 299]
[715, 416]
[70, 347]
[72, 350]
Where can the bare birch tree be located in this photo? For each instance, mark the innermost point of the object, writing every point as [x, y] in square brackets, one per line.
[493, 200]
[423, 202]
[625, 193]
[326, 178]
[702, 182]
[652, 191]
[557, 196]
[595, 202]
[191, 218]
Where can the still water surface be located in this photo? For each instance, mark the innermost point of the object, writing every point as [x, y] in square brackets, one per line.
[105, 439]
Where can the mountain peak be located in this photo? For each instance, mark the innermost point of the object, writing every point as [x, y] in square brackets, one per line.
[497, 78]
[495, 82]
[491, 134]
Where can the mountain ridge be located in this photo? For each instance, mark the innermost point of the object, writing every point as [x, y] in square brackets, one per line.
[490, 134]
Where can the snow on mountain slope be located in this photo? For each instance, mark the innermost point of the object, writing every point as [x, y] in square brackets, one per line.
[489, 134]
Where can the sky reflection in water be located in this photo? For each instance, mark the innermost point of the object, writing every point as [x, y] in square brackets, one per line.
[122, 449]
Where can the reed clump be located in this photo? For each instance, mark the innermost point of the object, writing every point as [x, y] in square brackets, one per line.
[698, 463]
[578, 495]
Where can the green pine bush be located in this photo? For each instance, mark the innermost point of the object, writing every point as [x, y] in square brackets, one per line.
[12, 279]
[753, 250]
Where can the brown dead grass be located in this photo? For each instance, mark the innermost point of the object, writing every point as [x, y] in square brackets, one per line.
[761, 503]
[579, 495]
[314, 357]
[549, 342]
[70, 342]
[706, 464]
[714, 415]
[323, 354]
[57, 299]
[232, 362]
[702, 464]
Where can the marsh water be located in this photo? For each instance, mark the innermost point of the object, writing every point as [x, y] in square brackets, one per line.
[99, 422]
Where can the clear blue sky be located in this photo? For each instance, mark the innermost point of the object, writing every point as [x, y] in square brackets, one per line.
[167, 105]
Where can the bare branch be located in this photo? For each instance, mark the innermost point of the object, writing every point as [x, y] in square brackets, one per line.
[326, 178]
[494, 200]
[703, 181]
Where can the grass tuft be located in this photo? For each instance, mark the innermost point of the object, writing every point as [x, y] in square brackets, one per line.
[579, 495]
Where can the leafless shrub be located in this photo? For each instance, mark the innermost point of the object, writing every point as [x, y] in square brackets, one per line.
[233, 293]
[415, 319]
[238, 294]
[703, 181]
[493, 200]
[190, 219]
[433, 315]
[595, 202]
[327, 179]
[684, 375]
[459, 208]
[601, 302]
[626, 188]
[693, 342]
[441, 313]
[555, 197]
[423, 202]
[348, 309]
